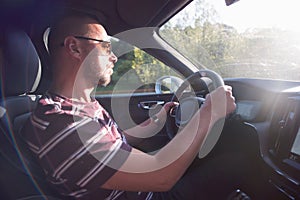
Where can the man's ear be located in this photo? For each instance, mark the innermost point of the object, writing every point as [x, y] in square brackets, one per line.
[72, 46]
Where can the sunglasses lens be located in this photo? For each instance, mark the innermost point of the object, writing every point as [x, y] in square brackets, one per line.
[107, 47]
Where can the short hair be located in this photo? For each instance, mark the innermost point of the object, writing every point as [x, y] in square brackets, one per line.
[57, 30]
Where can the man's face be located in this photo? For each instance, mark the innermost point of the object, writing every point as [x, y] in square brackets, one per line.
[99, 61]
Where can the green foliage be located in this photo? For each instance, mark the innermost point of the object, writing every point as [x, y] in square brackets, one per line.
[148, 68]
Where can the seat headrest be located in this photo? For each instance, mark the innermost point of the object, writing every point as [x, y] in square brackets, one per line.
[21, 70]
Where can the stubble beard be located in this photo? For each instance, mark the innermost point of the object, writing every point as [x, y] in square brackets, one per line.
[104, 81]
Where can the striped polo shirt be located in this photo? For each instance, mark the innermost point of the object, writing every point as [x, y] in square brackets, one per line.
[78, 146]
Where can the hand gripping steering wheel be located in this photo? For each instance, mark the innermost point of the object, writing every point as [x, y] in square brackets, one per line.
[203, 81]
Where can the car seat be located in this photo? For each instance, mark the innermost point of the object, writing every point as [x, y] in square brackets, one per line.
[20, 175]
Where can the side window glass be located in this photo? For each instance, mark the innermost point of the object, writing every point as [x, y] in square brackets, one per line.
[138, 72]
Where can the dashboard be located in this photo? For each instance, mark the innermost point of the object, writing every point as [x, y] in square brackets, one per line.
[275, 114]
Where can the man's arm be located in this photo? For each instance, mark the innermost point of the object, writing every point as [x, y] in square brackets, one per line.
[150, 127]
[159, 172]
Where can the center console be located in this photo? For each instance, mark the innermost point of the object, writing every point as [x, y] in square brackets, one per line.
[284, 148]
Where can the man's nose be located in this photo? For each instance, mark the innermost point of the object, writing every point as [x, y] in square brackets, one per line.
[113, 58]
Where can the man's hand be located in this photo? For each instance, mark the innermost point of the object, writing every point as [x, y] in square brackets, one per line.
[220, 102]
[162, 114]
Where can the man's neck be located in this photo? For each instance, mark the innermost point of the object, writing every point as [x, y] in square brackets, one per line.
[82, 95]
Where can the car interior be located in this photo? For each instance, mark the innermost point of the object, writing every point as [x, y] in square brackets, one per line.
[264, 127]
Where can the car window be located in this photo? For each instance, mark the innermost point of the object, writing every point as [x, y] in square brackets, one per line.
[253, 39]
[136, 71]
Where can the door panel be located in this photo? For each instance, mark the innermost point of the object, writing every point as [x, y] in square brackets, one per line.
[128, 112]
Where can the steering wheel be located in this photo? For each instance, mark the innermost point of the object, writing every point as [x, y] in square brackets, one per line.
[196, 77]
[203, 81]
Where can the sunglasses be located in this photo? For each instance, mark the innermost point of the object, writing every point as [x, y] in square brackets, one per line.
[106, 45]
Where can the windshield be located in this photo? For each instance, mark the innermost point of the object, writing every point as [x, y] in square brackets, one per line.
[251, 38]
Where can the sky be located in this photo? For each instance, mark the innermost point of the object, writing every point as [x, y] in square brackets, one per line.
[260, 13]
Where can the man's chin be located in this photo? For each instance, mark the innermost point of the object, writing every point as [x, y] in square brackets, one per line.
[104, 83]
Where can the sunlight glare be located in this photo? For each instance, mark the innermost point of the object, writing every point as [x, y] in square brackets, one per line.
[248, 14]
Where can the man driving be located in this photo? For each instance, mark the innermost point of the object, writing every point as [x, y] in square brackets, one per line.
[77, 143]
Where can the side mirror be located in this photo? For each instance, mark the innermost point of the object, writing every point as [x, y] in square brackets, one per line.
[167, 84]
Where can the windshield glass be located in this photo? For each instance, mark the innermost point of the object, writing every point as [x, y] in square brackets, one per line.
[251, 38]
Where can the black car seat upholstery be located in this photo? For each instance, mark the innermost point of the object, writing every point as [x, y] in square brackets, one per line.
[20, 176]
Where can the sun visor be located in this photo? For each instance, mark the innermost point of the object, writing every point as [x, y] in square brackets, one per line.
[129, 12]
